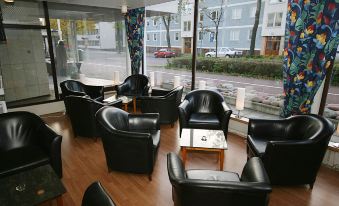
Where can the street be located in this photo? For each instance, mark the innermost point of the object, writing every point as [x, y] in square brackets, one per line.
[101, 64]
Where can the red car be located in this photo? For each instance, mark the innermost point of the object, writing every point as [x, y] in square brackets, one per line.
[164, 53]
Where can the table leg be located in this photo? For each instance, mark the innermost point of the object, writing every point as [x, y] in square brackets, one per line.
[126, 107]
[134, 104]
[183, 155]
[59, 200]
[221, 159]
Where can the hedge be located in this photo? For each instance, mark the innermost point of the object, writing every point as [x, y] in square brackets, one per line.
[267, 68]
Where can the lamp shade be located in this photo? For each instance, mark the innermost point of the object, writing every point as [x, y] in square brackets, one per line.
[338, 129]
[176, 81]
[240, 102]
[116, 77]
[152, 79]
[124, 9]
[202, 84]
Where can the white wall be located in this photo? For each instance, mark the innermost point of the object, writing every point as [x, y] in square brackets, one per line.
[272, 8]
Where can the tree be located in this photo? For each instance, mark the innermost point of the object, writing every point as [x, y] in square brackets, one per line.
[119, 26]
[167, 22]
[203, 31]
[255, 27]
[216, 16]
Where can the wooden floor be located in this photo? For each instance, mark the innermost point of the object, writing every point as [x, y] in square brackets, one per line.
[84, 162]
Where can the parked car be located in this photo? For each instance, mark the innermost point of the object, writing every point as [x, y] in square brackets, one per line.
[225, 52]
[164, 53]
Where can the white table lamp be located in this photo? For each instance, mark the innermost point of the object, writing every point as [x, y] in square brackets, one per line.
[159, 79]
[337, 129]
[240, 101]
[152, 79]
[176, 81]
[116, 77]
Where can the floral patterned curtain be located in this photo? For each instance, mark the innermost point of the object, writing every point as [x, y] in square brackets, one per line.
[311, 44]
[135, 23]
[2, 30]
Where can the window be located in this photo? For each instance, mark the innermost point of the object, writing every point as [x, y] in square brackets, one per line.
[147, 23]
[234, 35]
[276, 1]
[154, 22]
[176, 36]
[274, 19]
[176, 21]
[236, 13]
[250, 34]
[212, 36]
[147, 36]
[214, 15]
[201, 17]
[201, 35]
[252, 12]
[154, 37]
[187, 25]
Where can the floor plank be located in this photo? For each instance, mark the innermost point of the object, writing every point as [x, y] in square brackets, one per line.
[84, 162]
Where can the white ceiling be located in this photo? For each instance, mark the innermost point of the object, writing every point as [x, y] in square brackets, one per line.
[112, 3]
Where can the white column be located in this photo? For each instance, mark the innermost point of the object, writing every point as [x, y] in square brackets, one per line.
[202, 84]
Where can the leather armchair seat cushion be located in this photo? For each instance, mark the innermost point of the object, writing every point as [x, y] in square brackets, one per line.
[20, 159]
[203, 120]
[212, 175]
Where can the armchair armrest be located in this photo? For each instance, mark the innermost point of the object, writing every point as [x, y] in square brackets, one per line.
[50, 142]
[254, 171]
[141, 122]
[121, 88]
[159, 92]
[224, 114]
[95, 92]
[267, 128]
[185, 110]
[175, 167]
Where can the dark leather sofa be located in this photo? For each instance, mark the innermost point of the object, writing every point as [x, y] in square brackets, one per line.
[81, 111]
[26, 142]
[96, 195]
[208, 187]
[76, 88]
[291, 149]
[134, 85]
[163, 102]
[204, 109]
[130, 141]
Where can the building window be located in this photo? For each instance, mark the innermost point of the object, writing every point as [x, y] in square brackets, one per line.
[234, 35]
[176, 36]
[154, 22]
[201, 17]
[201, 35]
[176, 19]
[212, 36]
[154, 37]
[274, 19]
[147, 23]
[147, 37]
[214, 15]
[276, 1]
[187, 25]
[236, 13]
[249, 34]
[252, 12]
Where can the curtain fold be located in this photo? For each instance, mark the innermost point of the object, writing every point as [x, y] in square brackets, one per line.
[311, 42]
[135, 23]
[2, 29]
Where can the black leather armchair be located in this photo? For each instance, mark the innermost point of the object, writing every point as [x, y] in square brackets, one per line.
[163, 102]
[291, 149]
[130, 141]
[96, 195]
[81, 111]
[204, 109]
[26, 142]
[207, 187]
[134, 85]
[76, 88]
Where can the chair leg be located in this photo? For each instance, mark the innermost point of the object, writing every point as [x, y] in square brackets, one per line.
[109, 169]
[172, 125]
[150, 177]
[311, 185]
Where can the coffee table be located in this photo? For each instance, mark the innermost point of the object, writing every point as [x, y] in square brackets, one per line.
[31, 187]
[203, 140]
[125, 101]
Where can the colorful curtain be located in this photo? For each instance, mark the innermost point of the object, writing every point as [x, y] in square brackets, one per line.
[2, 30]
[311, 42]
[135, 23]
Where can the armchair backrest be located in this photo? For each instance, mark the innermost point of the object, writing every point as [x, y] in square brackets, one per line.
[96, 195]
[135, 84]
[204, 101]
[18, 129]
[175, 93]
[68, 86]
[113, 119]
[81, 111]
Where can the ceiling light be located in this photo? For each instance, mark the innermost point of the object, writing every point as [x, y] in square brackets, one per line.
[9, 1]
[124, 9]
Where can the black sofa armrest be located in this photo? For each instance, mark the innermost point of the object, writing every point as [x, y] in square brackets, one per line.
[254, 171]
[267, 128]
[185, 111]
[121, 88]
[143, 122]
[175, 167]
[95, 92]
[224, 114]
[50, 142]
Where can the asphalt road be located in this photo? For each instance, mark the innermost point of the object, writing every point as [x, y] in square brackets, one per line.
[101, 64]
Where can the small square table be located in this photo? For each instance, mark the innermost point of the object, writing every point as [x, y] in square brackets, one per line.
[31, 187]
[125, 101]
[203, 140]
